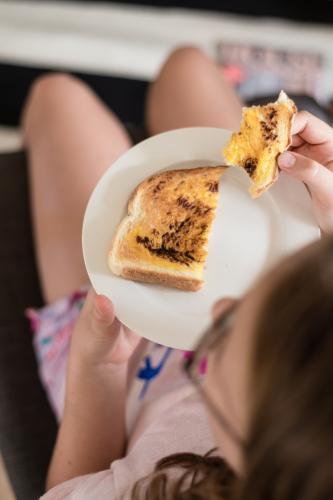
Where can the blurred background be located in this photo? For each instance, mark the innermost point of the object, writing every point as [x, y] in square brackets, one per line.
[118, 47]
[262, 46]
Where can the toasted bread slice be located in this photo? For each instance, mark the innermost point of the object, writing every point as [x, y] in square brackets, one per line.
[265, 132]
[164, 237]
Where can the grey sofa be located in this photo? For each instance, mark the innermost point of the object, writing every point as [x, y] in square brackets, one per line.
[27, 425]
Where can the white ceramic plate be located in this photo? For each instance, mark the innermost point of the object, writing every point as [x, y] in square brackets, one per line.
[248, 235]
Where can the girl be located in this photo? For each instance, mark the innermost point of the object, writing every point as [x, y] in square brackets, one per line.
[133, 424]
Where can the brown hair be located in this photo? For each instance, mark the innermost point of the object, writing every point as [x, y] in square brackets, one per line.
[289, 450]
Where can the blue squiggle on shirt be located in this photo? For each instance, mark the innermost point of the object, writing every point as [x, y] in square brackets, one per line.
[149, 372]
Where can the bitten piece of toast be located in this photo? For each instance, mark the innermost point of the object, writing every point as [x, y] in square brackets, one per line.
[164, 237]
[265, 132]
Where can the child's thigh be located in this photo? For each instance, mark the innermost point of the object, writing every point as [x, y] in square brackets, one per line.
[190, 91]
[71, 139]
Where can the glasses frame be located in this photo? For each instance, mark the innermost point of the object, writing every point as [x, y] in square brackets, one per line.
[218, 332]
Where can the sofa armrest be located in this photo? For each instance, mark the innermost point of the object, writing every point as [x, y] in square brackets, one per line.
[27, 425]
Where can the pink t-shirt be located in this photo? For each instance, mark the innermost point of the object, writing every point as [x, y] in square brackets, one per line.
[164, 415]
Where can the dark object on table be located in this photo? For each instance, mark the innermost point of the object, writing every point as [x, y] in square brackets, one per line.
[124, 96]
[321, 11]
[331, 110]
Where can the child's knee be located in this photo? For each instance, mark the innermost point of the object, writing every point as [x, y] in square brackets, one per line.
[185, 58]
[50, 92]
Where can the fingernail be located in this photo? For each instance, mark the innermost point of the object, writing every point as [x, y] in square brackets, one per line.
[99, 307]
[102, 308]
[286, 160]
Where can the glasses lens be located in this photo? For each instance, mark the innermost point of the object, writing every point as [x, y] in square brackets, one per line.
[197, 360]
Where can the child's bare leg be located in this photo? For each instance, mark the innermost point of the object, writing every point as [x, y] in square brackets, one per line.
[191, 91]
[71, 139]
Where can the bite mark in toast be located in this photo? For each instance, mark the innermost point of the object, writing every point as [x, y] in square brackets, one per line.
[265, 132]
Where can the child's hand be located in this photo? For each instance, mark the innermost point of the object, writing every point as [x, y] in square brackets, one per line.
[93, 431]
[98, 337]
[311, 160]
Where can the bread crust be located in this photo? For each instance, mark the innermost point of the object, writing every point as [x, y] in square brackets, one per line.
[171, 173]
[180, 282]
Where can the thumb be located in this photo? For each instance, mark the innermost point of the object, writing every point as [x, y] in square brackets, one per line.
[101, 316]
[318, 178]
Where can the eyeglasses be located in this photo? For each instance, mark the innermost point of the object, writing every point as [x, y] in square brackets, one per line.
[216, 334]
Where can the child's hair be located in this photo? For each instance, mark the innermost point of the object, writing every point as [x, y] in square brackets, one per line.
[289, 451]
[199, 477]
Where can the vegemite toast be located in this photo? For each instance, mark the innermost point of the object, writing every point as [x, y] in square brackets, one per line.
[164, 237]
